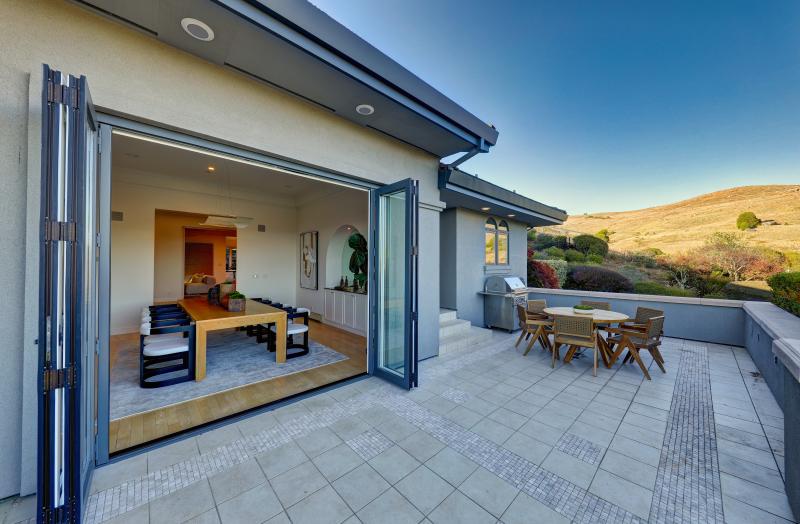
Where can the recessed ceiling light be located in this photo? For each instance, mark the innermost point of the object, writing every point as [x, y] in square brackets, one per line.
[485, 208]
[211, 169]
[197, 29]
[365, 109]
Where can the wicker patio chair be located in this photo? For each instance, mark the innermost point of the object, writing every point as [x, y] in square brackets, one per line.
[575, 332]
[605, 306]
[533, 328]
[536, 308]
[643, 314]
[636, 340]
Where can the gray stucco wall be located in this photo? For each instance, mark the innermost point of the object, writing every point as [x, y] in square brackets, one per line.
[118, 61]
[468, 271]
[707, 320]
[428, 323]
[447, 259]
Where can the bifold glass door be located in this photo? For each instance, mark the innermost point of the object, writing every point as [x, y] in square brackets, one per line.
[67, 294]
[394, 283]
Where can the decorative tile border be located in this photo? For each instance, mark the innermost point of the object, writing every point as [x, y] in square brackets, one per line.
[369, 444]
[688, 482]
[580, 448]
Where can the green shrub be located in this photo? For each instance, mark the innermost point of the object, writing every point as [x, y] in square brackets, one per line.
[573, 255]
[543, 240]
[560, 267]
[654, 288]
[594, 259]
[747, 220]
[786, 291]
[590, 245]
[593, 278]
[555, 252]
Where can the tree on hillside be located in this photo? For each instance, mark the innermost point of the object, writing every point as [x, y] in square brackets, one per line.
[604, 235]
[747, 220]
[729, 254]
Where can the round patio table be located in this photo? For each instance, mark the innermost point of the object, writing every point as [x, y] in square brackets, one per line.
[599, 316]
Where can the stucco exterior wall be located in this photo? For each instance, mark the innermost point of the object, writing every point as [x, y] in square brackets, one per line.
[132, 74]
[463, 257]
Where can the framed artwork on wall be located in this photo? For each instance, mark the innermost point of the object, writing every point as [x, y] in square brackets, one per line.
[308, 259]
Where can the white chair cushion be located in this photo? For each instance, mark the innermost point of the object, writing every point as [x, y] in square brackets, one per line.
[160, 349]
[153, 339]
[292, 329]
[303, 310]
[144, 328]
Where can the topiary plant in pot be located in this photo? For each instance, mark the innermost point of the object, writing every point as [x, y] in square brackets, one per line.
[358, 261]
[236, 301]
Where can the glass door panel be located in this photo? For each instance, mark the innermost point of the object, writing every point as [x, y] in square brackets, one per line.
[395, 283]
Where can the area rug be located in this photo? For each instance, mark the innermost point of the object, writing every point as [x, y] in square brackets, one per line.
[232, 359]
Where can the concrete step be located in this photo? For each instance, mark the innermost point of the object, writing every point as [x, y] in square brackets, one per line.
[461, 341]
[447, 314]
[454, 327]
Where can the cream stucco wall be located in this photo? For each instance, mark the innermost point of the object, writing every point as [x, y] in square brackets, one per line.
[267, 262]
[326, 215]
[131, 73]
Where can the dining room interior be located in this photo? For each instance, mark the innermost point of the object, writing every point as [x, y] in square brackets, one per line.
[197, 235]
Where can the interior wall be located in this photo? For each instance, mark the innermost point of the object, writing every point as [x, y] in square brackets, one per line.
[267, 262]
[168, 256]
[326, 215]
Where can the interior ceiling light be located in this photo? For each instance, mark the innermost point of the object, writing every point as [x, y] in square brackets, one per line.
[211, 169]
[197, 29]
[365, 109]
[485, 208]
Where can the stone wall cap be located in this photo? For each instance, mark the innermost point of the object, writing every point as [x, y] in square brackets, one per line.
[777, 322]
[788, 352]
[695, 301]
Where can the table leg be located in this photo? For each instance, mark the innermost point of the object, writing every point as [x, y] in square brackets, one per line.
[604, 350]
[199, 352]
[280, 343]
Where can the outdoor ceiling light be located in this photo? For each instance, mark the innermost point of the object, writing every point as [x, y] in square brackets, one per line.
[365, 109]
[511, 216]
[211, 169]
[485, 208]
[197, 29]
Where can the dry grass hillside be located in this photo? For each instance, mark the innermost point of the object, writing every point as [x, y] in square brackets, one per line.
[683, 225]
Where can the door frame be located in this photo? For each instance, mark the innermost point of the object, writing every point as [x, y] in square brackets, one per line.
[110, 124]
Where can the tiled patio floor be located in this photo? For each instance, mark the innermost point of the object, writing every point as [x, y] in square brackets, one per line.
[489, 436]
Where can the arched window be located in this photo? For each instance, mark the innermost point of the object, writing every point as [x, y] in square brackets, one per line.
[502, 243]
[496, 241]
[491, 242]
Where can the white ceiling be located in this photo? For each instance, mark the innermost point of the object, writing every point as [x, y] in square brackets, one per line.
[188, 166]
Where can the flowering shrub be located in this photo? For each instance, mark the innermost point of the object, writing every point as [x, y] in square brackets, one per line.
[541, 274]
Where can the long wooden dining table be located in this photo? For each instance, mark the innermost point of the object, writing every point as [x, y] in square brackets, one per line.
[599, 317]
[210, 317]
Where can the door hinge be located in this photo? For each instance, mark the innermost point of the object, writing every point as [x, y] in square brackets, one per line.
[60, 231]
[59, 378]
[414, 251]
[61, 94]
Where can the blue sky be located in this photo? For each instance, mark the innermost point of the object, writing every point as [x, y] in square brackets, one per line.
[608, 105]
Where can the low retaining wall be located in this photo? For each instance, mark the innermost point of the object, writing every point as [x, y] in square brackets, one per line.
[704, 319]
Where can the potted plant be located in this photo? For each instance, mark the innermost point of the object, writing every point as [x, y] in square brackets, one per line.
[582, 309]
[236, 301]
[358, 262]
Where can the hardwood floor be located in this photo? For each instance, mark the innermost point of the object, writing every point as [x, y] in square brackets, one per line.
[151, 425]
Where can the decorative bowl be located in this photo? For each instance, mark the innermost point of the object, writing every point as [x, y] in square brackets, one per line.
[583, 310]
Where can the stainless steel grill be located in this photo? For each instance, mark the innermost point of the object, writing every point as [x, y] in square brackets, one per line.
[501, 296]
